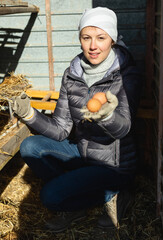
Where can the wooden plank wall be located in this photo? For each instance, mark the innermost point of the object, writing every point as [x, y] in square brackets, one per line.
[158, 96]
[23, 41]
[23, 38]
[156, 79]
[131, 24]
[65, 19]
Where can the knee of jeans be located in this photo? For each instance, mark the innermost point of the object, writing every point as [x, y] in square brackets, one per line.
[27, 147]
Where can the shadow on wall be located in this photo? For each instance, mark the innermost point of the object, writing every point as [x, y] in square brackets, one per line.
[131, 25]
[12, 44]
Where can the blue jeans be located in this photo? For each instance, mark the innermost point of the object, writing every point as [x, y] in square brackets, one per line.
[70, 183]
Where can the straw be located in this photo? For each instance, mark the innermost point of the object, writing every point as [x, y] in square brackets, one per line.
[21, 208]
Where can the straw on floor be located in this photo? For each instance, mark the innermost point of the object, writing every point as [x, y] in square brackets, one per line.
[22, 216]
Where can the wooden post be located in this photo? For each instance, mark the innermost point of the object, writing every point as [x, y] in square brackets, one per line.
[13, 3]
[160, 126]
[49, 42]
[150, 25]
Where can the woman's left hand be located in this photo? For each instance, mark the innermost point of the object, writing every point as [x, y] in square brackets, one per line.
[105, 111]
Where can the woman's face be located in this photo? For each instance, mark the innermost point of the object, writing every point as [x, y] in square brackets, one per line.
[95, 43]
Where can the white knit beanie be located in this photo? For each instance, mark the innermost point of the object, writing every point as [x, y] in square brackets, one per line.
[100, 17]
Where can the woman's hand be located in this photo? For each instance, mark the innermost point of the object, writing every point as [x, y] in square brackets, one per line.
[21, 105]
[105, 111]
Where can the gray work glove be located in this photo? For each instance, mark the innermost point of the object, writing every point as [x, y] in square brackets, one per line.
[105, 111]
[21, 105]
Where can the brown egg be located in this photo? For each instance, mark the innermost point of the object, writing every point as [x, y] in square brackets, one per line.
[101, 96]
[94, 105]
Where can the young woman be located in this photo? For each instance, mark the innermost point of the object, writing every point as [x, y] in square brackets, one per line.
[87, 158]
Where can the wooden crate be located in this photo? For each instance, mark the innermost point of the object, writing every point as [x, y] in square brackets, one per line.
[10, 143]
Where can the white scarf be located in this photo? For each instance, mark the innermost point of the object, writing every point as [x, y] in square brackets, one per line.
[93, 73]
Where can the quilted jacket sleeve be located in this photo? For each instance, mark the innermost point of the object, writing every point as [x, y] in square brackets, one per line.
[128, 96]
[59, 126]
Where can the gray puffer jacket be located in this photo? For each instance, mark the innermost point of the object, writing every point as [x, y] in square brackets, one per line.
[109, 142]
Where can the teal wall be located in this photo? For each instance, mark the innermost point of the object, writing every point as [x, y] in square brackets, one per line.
[23, 37]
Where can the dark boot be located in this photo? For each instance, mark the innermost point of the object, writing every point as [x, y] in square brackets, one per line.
[115, 210]
[60, 223]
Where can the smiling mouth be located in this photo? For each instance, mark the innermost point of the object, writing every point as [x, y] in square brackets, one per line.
[94, 55]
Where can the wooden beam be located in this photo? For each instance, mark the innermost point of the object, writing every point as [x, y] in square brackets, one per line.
[41, 94]
[150, 25]
[10, 143]
[13, 3]
[14, 10]
[147, 113]
[160, 124]
[142, 112]
[50, 44]
[47, 97]
[43, 105]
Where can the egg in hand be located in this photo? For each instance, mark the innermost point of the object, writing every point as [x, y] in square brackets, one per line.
[101, 96]
[95, 103]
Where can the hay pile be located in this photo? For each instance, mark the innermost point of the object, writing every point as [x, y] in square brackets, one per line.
[13, 85]
[22, 215]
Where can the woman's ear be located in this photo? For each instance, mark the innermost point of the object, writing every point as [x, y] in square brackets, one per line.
[112, 43]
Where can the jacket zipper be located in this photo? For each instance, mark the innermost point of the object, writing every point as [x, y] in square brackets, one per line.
[88, 95]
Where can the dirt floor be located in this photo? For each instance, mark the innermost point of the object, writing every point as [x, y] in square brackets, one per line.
[22, 216]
